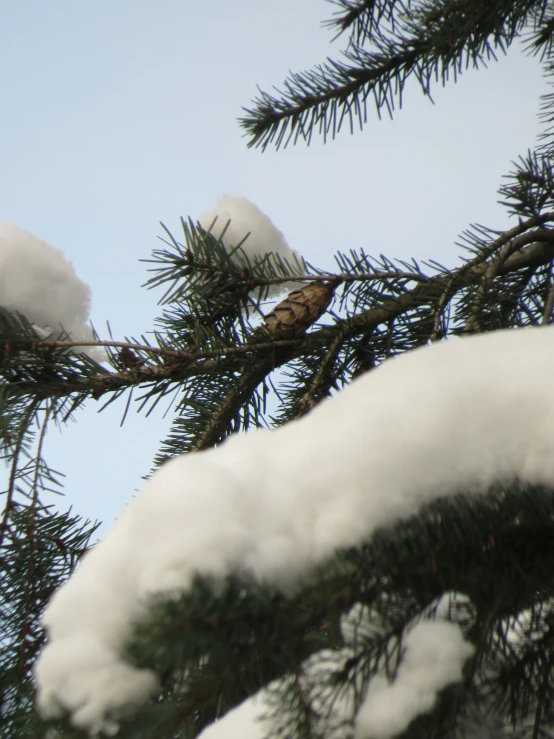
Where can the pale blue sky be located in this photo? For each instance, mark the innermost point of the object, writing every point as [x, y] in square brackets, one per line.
[118, 115]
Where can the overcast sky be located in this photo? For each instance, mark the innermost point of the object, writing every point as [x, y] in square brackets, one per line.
[118, 115]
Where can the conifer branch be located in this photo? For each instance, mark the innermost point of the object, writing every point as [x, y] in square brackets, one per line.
[427, 40]
[323, 379]
[243, 388]
[529, 246]
[493, 268]
[312, 100]
[540, 250]
[364, 17]
[211, 270]
[9, 505]
[25, 636]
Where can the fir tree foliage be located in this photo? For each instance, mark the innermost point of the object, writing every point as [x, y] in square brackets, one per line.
[214, 358]
[389, 43]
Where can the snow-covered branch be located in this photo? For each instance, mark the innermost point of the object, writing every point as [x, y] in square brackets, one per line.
[456, 416]
[435, 655]
[433, 658]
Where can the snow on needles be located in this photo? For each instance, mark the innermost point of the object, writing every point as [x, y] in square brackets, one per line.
[233, 218]
[433, 658]
[435, 655]
[453, 416]
[39, 282]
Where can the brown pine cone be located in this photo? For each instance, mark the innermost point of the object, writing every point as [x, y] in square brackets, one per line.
[299, 310]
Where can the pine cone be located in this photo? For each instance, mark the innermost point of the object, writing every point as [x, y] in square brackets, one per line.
[299, 310]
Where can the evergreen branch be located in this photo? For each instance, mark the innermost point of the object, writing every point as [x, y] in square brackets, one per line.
[184, 365]
[431, 43]
[57, 541]
[203, 270]
[25, 636]
[362, 17]
[67, 344]
[531, 246]
[540, 250]
[531, 186]
[323, 379]
[493, 268]
[18, 449]
[242, 389]
[442, 12]
[252, 281]
[543, 31]
[232, 402]
[314, 98]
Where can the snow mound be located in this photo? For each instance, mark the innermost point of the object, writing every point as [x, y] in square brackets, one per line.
[38, 281]
[232, 218]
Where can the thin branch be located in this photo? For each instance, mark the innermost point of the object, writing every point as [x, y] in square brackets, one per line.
[241, 390]
[10, 493]
[317, 95]
[425, 41]
[31, 541]
[308, 400]
[67, 344]
[254, 281]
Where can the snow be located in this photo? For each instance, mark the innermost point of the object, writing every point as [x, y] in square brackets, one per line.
[232, 218]
[39, 282]
[246, 721]
[451, 417]
[436, 652]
